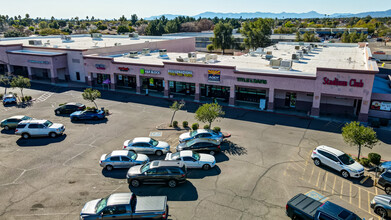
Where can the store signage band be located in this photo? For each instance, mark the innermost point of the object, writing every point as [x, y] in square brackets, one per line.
[214, 75]
[336, 82]
[180, 73]
[38, 61]
[144, 71]
[123, 69]
[100, 66]
[260, 81]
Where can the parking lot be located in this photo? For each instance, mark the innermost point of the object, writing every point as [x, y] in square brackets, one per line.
[262, 165]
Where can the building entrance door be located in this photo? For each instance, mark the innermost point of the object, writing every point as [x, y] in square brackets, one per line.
[290, 100]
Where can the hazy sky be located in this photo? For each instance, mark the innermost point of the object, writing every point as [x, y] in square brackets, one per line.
[145, 8]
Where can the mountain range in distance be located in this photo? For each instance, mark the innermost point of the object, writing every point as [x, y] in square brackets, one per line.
[246, 15]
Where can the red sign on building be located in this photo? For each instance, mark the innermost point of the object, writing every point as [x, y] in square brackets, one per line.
[124, 69]
[336, 82]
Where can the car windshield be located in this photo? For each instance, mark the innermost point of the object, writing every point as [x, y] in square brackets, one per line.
[196, 155]
[154, 142]
[101, 205]
[26, 118]
[145, 167]
[132, 155]
[345, 159]
[48, 123]
[175, 156]
[193, 133]
[107, 156]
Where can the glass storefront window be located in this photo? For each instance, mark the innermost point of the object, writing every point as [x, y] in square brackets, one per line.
[126, 81]
[182, 87]
[153, 84]
[215, 91]
[100, 78]
[250, 95]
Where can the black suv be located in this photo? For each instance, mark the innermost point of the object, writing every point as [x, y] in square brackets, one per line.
[158, 171]
[200, 145]
[69, 108]
[385, 181]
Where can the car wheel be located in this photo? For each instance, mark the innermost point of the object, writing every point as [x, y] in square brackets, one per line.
[206, 167]
[109, 167]
[58, 112]
[6, 127]
[172, 183]
[25, 136]
[135, 183]
[381, 211]
[387, 189]
[159, 153]
[212, 153]
[317, 162]
[345, 174]
[53, 135]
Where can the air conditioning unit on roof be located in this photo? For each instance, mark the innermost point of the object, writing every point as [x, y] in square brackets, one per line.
[35, 42]
[133, 54]
[286, 65]
[275, 63]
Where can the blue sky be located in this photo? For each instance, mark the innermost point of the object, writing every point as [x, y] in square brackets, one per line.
[145, 8]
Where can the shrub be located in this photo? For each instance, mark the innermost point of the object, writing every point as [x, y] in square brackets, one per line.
[374, 158]
[206, 127]
[383, 122]
[365, 162]
[175, 124]
[375, 124]
[217, 129]
[185, 124]
[16, 95]
[61, 104]
[1, 96]
[107, 112]
[195, 126]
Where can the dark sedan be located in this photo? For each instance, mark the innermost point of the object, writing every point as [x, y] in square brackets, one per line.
[69, 108]
[199, 145]
[88, 115]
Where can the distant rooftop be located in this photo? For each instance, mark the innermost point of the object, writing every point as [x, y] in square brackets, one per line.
[84, 41]
[341, 57]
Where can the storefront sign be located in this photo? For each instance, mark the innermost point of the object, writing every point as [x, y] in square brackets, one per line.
[336, 82]
[37, 61]
[100, 66]
[214, 75]
[123, 69]
[144, 71]
[180, 73]
[260, 81]
[382, 106]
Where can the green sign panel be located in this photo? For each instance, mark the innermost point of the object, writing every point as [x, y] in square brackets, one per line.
[260, 81]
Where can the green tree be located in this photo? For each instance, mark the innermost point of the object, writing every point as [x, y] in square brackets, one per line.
[257, 33]
[21, 83]
[172, 26]
[298, 37]
[358, 135]
[210, 47]
[14, 33]
[122, 19]
[133, 19]
[345, 37]
[5, 81]
[223, 38]
[122, 29]
[176, 106]
[43, 24]
[208, 113]
[91, 95]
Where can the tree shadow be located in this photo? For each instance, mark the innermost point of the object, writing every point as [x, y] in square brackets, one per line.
[39, 141]
[231, 148]
[115, 173]
[200, 173]
[24, 104]
[221, 157]
[182, 192]
[93, 122]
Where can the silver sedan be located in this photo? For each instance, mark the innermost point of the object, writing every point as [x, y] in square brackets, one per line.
[381, 205]
[122, 159]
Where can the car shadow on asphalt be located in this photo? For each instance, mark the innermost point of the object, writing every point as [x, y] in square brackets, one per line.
[221, 157]
[182, 192]
[200, 173]
[115, 173]
[39, 141]
[91, 122]
[368, 183]
[10, 131]
[228, 147]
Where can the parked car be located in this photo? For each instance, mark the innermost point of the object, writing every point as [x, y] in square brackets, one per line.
[385, 166]
[126, 206]
[122, 159]
[34, 127]
[206, 134]
[9, 98]
[157, 171]
[337, 160]
[88, 115]
[306, 208]
[147, 145]
[193, 159]
[385, 181]
[69, 108]
[200, 145]
[12, 122]
[381, 205]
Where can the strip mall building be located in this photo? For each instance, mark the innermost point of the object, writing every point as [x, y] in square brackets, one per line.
[329, 79]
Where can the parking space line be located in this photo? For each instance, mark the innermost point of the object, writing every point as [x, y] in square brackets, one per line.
[376, 190]
[359, 197]
[312, 173]
[325, 182]
[369, 204]
[350, 194]
[317, 182]
[333, 189]
[340, 196]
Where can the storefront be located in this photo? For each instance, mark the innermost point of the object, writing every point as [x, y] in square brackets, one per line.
[20, 71]
[126, 81]
[3, 68]
[250, 96]
[182, 88]
[213, 91]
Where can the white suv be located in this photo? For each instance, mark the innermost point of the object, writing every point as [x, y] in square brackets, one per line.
[9, 98]
[35, 127]
[337, 160]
